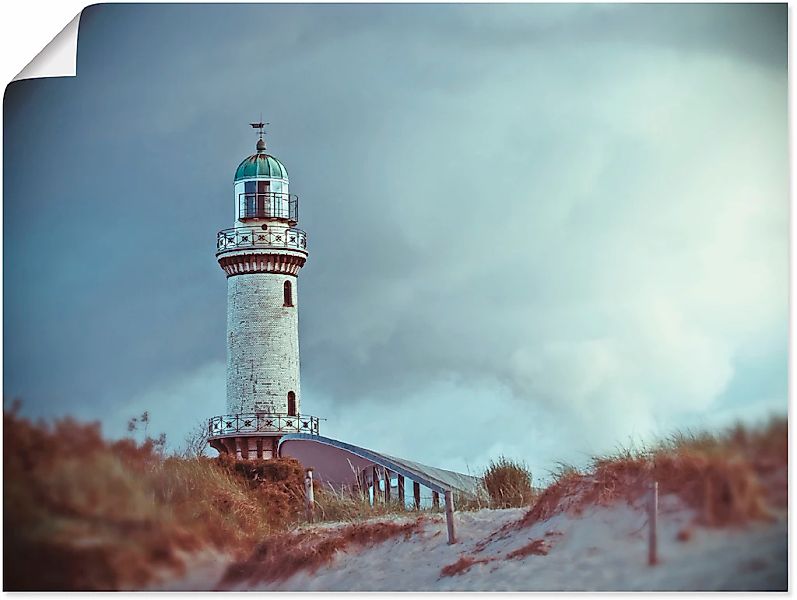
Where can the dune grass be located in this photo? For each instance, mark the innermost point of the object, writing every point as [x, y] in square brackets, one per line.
[351, 506]
[508, 483]
[104, 515]
[282, 555]
[101, 515]
[728, 478]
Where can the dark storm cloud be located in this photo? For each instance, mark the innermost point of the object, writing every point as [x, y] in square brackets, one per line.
[517, 196]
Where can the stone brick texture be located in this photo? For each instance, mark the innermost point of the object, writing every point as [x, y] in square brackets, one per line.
[262, 343]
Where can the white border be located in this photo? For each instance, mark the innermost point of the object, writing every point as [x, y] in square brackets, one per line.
[28, 26]
[58, 58]
[27, 29]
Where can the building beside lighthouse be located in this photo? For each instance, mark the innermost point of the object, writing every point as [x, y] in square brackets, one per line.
[261, 256]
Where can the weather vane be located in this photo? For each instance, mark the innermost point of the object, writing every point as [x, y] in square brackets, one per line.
[260, 126]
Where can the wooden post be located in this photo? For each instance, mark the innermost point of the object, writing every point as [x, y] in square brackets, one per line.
[376, 484]
[653, 509]
[435, 500]
[238, 449]
[400, 484]
[416, 494]
[452, 537]
[309, 495]
[362, 482]
[387, 486]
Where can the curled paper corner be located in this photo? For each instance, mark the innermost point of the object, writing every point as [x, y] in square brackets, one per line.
[58, 58]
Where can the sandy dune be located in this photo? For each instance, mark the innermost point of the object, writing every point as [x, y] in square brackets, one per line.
[603, 548]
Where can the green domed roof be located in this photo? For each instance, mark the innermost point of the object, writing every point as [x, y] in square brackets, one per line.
[261, 165]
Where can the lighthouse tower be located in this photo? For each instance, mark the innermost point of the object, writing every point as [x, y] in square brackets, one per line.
[261, 256]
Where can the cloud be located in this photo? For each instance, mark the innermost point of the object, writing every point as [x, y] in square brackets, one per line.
[567, 223]
[604, 254]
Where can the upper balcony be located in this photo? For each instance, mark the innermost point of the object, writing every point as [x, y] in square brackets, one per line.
[269, 205]
[241, 238]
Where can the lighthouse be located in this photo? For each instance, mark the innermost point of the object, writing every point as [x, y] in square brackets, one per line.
[261, 255]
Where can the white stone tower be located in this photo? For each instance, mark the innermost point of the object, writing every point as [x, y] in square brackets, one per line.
[261, 255]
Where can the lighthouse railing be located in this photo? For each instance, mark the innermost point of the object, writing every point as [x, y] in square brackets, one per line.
[262, 422]
[269, 205]
[237, 238]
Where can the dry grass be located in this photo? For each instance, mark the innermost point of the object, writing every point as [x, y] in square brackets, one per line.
[282, 555]
[82, 513]
[103, 515]
[462, 565]
[466, 561]
[728, 478]
[352, 506]
[535, 547]
[508, 483]
[108, 515]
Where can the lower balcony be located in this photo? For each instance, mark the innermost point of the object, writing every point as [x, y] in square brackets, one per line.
[244, 424]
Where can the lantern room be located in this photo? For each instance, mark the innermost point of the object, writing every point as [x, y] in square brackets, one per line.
[261, 190]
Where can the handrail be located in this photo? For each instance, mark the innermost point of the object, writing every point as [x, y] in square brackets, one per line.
[262, 422]
[268, 205]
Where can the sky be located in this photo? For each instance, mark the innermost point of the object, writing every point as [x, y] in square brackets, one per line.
[543, 231]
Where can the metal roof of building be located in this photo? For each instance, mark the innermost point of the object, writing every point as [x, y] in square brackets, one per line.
[337, 463]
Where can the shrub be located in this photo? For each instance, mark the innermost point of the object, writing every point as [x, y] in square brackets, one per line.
[508, 483]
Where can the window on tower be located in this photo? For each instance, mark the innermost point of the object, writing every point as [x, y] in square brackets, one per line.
[287, 293]
[249, 204]
[292, 404]
[257, 200]
[263, 199]
[266, 199]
